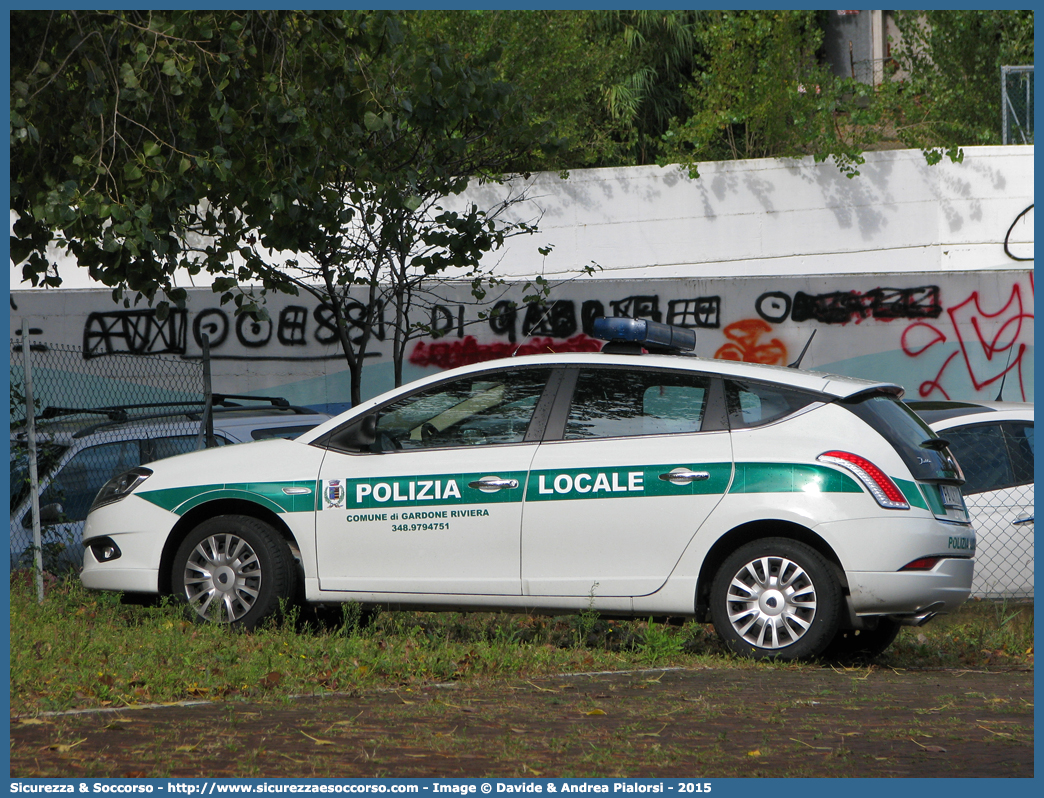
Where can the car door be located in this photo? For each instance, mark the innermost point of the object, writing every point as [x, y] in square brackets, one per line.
[434, 504]
[642, 459]
[997, 460]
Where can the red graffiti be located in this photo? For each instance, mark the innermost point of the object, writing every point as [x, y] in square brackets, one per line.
[744, 344]
[972, 326]
[467, 350]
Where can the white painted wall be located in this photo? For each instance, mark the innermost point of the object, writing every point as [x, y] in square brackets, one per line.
[901, 271]
[766, 217]
[781, 216]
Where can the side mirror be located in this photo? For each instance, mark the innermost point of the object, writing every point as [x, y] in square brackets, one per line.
[49, 514]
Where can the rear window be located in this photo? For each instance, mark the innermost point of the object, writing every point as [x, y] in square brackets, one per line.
[901, 427]
[751, 404]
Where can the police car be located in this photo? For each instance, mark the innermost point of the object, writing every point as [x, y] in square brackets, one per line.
[803, 514]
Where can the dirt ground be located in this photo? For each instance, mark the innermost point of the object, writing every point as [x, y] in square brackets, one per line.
[692, 723]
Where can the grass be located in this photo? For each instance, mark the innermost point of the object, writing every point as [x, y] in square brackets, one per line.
[87, 649]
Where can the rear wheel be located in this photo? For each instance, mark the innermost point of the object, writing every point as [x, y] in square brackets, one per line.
[862, 644]
[776, 598]
[233, 569]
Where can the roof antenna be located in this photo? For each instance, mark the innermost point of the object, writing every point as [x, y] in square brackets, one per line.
[550, 306]
[797, 363]
[1004, 377]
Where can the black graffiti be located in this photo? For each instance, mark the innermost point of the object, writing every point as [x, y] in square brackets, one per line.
[443, 321]
[557, 319]
[210, 322]
[589, 311]
[1007, 236]
[638, 307]
[293, 321]
[773, 306]
[295, 326]
[700, 312]
[253, 333]
[842, 307]
[355, 314]
[134, 332]
[502, 319]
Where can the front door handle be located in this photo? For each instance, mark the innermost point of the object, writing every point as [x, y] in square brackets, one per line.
[683, 476]
[493, 484]
[1025, 519]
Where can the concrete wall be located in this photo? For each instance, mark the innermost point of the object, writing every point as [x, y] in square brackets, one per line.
[902, 272]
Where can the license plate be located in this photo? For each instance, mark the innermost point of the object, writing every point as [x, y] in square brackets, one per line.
[951, 497]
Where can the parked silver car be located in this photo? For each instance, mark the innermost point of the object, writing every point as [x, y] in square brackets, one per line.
[76, 457]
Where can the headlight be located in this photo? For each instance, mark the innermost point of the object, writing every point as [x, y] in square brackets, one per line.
[120, 487]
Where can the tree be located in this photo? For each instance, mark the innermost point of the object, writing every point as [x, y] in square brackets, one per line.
[662, 48]
[292, 147]
[563, 63]
[951, 62]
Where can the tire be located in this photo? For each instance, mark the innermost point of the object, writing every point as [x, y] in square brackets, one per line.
[853, 645]
[776, 598]
[233, 569]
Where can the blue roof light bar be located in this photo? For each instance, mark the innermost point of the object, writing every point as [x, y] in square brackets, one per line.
[652, 335]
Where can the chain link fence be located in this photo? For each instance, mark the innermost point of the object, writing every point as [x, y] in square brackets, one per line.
[997, 460]
[1017, 104]
[89, 420]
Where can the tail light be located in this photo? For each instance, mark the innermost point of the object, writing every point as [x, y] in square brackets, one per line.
[880, 485]
[923, 564]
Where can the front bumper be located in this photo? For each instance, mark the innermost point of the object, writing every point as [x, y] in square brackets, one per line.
[140, 529]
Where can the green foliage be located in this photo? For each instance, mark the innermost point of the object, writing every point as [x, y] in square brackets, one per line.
[145, 142]
[950, 62]
[762, 93]
[84, 648]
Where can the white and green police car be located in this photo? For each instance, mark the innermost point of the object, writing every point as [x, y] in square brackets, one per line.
[802, 513]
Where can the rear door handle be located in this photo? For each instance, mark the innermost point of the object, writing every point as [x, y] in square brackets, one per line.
[683, 476]
[1025, 519]
[493, 484]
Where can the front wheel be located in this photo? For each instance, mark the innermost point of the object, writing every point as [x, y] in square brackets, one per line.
[776, 598]
[233, 569]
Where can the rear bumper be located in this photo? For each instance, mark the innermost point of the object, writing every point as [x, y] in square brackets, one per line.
[911, 594]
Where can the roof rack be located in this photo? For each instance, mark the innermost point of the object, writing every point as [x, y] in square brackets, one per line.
[120, 414]
[631, 336]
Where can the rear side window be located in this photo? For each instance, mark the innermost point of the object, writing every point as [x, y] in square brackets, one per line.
[901, 427]
[751, 404]
[609, 403]
[993, 456]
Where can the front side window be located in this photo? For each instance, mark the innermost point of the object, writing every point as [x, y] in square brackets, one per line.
[993, 456]
[609, 403]
[480, 410]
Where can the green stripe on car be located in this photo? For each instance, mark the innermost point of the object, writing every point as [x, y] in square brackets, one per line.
[281, 497]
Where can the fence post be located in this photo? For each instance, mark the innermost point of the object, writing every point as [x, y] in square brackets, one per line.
[34, 482]
[205, 439]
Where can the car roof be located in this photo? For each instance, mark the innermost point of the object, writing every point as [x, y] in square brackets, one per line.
[829, 384]
[950, 413]
[68, 431]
